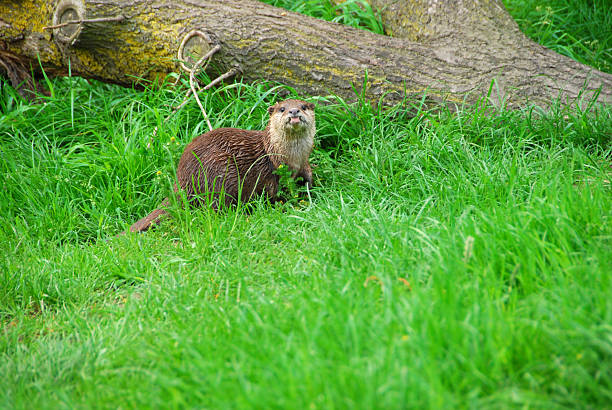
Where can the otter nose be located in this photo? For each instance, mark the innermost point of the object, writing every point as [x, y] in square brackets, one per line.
[294, 112]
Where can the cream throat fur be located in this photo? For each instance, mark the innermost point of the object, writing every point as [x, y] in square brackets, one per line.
[291, 131]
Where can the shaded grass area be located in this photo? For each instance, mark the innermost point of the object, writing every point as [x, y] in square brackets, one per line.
[354, 13]
[580, 29]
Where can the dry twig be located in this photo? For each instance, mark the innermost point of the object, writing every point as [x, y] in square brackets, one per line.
[96, 20]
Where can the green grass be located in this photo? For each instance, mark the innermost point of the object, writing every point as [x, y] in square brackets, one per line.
[580, 29]
[355, 13]
[444, 260]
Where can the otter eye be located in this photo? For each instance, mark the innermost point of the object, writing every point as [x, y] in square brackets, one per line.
[304, 108]
[282, 109]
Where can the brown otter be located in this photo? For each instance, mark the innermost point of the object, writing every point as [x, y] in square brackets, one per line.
[241, 163]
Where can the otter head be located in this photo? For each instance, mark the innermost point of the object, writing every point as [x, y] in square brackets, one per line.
[292, 119]
[291, 133]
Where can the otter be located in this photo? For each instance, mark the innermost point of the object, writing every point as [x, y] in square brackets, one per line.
[232, 165]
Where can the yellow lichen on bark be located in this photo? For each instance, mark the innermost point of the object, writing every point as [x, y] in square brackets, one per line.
[25, 31]
[25, 16]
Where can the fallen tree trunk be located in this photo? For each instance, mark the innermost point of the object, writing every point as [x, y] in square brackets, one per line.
[482, 35]
[426, 21]
[125, 39]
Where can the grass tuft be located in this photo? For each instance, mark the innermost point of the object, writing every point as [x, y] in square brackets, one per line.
[579, 29]
[355, 13]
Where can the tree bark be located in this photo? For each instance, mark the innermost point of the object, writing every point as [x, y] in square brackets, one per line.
[453, 51]
[425, 21]
[481, 34]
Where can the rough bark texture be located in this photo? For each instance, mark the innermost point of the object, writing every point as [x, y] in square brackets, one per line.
[482, 36]
[423, 21]
[452, 50]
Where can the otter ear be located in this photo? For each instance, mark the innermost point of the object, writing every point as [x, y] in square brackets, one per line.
[271, 109]
[310, 106]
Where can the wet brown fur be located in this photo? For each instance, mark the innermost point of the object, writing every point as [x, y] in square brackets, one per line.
[241, 163]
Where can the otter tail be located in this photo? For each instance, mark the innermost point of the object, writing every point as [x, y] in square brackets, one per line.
[152, 219]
